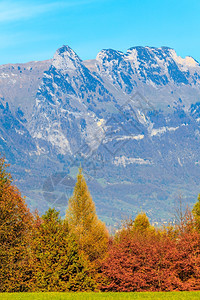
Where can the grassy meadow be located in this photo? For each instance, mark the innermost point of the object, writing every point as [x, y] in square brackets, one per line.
[96, 296]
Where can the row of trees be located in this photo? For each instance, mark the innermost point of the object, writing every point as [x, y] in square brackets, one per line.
[76, 254]
[144, 259]
[47, 253]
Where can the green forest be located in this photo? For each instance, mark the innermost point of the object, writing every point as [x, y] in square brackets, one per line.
[49, 254]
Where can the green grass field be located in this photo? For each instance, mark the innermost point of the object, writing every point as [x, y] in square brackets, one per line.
[96, 296]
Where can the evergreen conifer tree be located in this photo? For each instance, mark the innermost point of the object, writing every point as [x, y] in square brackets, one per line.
[56, 263]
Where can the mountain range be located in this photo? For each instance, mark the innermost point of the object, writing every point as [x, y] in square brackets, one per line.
[131, 120]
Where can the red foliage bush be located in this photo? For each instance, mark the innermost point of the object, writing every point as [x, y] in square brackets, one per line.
[152, 261]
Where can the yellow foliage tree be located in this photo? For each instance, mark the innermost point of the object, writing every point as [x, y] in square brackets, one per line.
[91, 233]
[196, 213]
[141, 222]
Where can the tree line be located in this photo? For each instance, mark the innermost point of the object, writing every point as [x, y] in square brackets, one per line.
[46, 253]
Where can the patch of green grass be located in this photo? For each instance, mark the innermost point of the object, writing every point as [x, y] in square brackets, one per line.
[96, 296]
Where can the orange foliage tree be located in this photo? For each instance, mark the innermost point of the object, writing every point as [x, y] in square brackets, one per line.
[15, 228]
[141, 261]
[142, 258]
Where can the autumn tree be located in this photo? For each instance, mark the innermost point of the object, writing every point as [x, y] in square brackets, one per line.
[5, 177]
[188, 259]
[141, 222]
[55, 262]
[196, 213]
[141, 261]
[141, 258]
[15, 228]
[91, 234]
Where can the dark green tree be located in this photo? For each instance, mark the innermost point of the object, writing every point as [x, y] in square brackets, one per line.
[56, 263]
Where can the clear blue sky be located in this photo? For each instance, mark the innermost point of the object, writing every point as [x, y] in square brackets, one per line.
[33, 30]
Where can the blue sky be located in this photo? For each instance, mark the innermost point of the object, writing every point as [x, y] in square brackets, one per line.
[33, 30]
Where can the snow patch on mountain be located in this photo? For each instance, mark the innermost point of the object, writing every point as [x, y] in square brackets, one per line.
[124, 161]
[58, 140]
[162, 130]
[186, 62]
[179, 161]
[131, 137]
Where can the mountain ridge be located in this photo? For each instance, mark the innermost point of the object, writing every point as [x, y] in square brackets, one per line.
[127, 117]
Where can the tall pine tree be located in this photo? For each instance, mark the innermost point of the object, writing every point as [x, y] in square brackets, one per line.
[91, 233]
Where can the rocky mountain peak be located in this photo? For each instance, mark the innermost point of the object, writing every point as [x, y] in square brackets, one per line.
[65, 59]
[109, 55]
